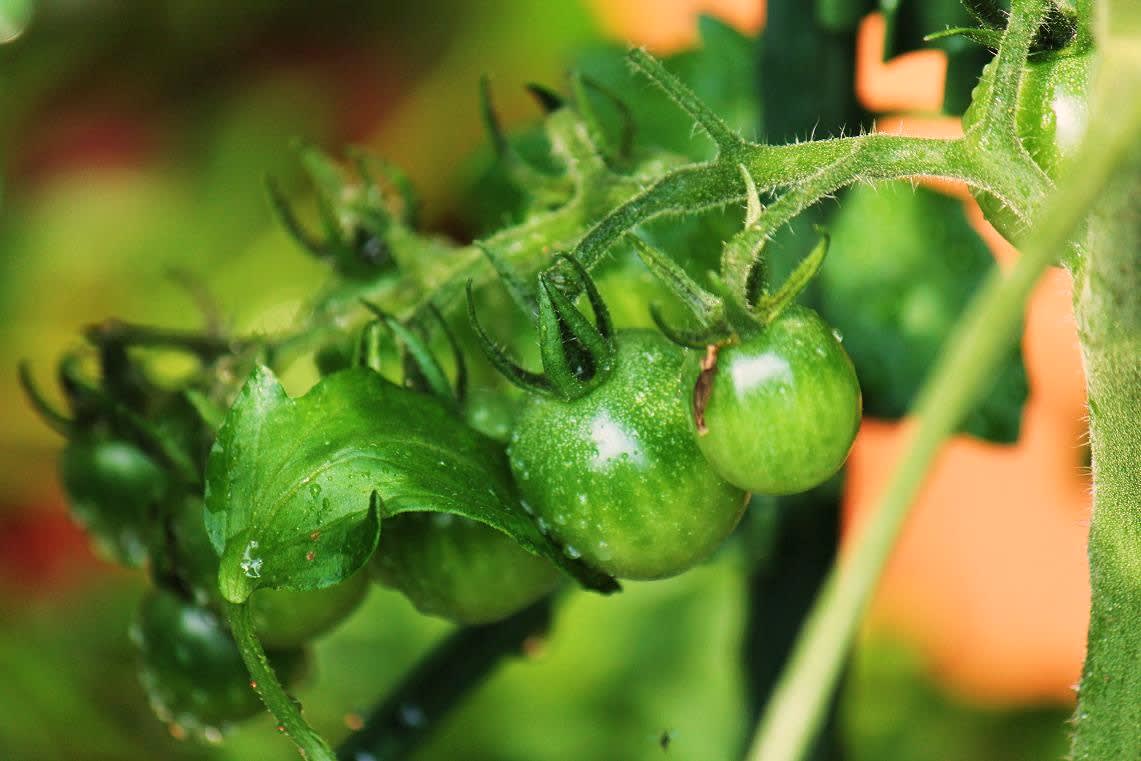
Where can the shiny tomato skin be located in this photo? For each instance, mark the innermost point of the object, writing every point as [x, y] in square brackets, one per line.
[615, 476]
[456, 568]
[783, 408]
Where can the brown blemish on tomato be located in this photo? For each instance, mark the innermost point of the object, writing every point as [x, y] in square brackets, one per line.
[703, 387]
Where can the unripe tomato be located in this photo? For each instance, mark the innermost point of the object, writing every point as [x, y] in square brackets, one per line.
[454, 567]
[191, 667]
[1051, 118]
[615, 475]
[112, 486]
[783, 406]
[282, 618]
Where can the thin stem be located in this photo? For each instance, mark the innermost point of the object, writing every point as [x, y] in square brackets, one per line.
[440, 682]
[204, 345]
[981, 338]
[727, 141]
[999, 101]
[310, 745]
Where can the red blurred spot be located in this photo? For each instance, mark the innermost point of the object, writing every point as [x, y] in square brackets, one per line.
[43, 553]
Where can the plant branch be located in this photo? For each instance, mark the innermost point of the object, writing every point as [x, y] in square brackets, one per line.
[439, 682]
[310, 745]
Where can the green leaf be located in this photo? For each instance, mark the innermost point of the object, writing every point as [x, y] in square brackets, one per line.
[290, 482]
[902, 266]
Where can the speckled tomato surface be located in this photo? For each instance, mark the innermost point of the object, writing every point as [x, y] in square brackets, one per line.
[616, 477]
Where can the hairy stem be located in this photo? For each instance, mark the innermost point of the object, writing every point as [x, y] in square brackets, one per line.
[310, 745]
[1107, 304]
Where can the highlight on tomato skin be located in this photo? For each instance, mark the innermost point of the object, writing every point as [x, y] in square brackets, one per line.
[616, 477]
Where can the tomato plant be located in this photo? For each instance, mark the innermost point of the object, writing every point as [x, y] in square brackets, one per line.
[259, 512]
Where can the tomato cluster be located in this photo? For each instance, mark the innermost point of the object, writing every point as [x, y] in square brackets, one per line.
[635, 454]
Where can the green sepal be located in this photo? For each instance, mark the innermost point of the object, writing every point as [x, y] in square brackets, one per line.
[367, 351]
[548, 100]
[709, 309]
[743, 265]
[576, 354]
[517, 288]
[54, 419]
[690, 339]
[581, 87]
[543, 187]
[988, 38]
[499, 359]
[422, 371]
[770, 306]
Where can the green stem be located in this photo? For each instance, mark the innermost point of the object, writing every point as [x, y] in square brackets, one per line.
[310, 745]
[978, 343]
[1108, 311]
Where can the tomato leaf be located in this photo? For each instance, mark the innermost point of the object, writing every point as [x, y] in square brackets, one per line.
[903, 264]
[297, 488]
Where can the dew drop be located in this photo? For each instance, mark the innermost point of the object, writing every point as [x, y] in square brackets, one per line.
[603, 549]
[572, 552]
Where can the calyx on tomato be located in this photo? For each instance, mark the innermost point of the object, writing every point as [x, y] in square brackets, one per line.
[775, 398]
[577, 356]
[1051, 113]
[602, 452]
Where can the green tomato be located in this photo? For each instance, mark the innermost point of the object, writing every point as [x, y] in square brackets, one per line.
[113, 486]
[615, 476]
[282, 618]
[1051, 118]
[191, 667]
[454, 567]
[783, 406]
